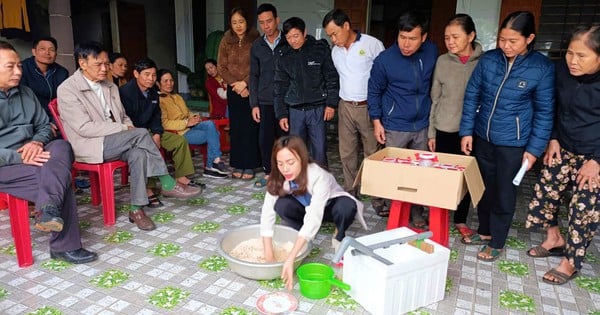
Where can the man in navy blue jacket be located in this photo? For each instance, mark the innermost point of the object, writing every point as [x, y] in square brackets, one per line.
[42, 74]
[398, 97]
[398, 94]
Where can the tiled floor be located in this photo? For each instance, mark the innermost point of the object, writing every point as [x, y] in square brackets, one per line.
[176, 269]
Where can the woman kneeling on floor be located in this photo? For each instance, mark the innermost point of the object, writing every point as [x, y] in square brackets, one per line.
[304, 195]
[572, 159]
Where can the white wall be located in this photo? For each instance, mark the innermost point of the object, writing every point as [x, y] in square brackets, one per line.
[485, 14]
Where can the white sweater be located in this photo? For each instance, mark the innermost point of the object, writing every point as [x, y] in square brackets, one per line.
[322, 187]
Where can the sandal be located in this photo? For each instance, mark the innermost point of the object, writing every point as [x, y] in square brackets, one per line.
[248, 174]
[260, 183]
[237, 173]
[560, 278]
[464, 231]
[474, 239]
[540, 252]
[418, 221]
[154, 202]
[491, 253]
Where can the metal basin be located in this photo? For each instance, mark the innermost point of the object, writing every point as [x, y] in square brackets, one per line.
[258, 271]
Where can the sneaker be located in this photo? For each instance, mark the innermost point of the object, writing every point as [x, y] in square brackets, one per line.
[220, 168]
[182, 191]
[213, 173]
[82, 183]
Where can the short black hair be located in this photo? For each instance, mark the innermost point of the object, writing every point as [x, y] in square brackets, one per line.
[115, 55]
[86, 49]
[162, 72]
[143, 64]
[338, 17]
[210, 60]
[410, 20]
[266, 7]
[522, 22]
[6, 46]
[293, 22]
[47, 39]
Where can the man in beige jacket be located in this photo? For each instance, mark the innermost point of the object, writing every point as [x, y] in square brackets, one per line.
[98, 129]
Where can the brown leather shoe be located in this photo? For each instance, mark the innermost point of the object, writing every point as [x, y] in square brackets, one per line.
[142, 221]
[182, 191]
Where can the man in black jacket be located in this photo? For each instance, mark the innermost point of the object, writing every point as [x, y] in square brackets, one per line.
[306, 87]
[262, 69]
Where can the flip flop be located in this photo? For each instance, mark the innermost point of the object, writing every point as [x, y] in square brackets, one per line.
[464, 231]
[237, 173]
[560, 278]
[474, 239]
[493, 253]
[248, 174]
[260, 183]
[541, 252]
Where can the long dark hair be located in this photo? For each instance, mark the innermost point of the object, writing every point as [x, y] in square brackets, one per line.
[298, 148]
[522, 22]
[466, 24]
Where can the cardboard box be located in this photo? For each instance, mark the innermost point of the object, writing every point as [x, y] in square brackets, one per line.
[428, 186]
[415, 279]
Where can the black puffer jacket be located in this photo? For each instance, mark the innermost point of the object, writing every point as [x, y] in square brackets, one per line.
[577, 123]
[262, 70]
[305, 77]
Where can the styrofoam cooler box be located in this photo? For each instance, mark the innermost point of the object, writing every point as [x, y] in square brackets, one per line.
[415, 278]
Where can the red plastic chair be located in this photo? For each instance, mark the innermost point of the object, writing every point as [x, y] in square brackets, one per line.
[202, 149]
[101, 175]
[18, 211]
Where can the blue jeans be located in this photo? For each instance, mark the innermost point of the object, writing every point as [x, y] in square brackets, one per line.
[206, 132]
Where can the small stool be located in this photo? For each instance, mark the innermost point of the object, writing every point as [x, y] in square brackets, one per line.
[438, 220]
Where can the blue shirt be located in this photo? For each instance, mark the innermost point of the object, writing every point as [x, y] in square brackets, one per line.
[303, 199]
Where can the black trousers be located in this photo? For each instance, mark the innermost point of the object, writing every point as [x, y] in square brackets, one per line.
[340, 210]
[449, 142]
[498, 166]
[268, 132]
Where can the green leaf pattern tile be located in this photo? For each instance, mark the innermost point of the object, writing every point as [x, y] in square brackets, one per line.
[56, 265]
[224, 189]
[327, 228]
[168, 297]
[214, 263]
[110, 278]
[453, 255]
[514, 268]
[123, 208]
[164, 249]
[237, 209]
[448, 284]
[314, 252]
[84, 200]
[590, 284]
[418, 312]
[163, 217]
[84, 224]
[339, 298]
[46, 310]
[454, 232]
[118, 237]
[9, 250]
[594, 312]
[201, 201]
[591, 258]
[234, 310]
[206, 227]
[517, 224]
[272, 284]
[517, 301]
[258, 196]
[3, 293]
[515, 243]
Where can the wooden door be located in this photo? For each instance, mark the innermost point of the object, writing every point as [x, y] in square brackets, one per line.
[357, 11]
[132, 33]
[509, 6]
[441, 12]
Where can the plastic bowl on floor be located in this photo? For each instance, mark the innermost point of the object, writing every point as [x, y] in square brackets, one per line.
[258, 271]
